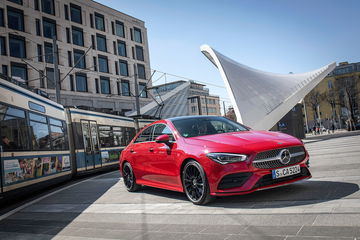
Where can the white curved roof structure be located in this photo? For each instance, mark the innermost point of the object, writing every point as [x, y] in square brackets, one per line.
[260, 99]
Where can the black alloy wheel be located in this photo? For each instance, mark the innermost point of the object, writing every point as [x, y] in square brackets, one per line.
[195, 183]
[129, 178]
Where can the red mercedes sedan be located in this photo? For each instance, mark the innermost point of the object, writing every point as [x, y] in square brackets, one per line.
[209, 156]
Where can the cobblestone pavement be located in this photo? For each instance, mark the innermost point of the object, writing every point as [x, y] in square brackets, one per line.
[325, 207]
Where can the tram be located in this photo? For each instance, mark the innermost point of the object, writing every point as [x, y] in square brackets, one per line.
[43, 143]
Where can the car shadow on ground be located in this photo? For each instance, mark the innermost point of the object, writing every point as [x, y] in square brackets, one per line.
[296, 194]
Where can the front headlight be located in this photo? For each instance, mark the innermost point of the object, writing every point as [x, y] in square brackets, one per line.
[225, 158]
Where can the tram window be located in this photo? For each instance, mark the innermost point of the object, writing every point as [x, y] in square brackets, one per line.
[37, 117]
[106, 136]
[118, 137]
[55, 122]
[13, 129]
[58, 138]
[40, 137]
[36, 107]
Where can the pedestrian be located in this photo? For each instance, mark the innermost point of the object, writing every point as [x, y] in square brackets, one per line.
[333, 127]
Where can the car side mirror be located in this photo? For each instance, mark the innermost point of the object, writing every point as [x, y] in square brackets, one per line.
[163, 139]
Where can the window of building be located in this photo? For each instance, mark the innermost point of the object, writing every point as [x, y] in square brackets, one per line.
[103, 64]
[36, 5]
[70, 59]
[121, 48]
[125, 88]
[330, 84]
[72, 85]
[105, 85]
[2, 46]
[93, 46]
[75, 13]
[118, 85]
[97, 85]
[95, 63]
[47, 6]
[42, 78]
[13, 125]
[19, 70]
[66, 11]
[137, 35]
[143, 90]
[99, 22]
[50, 78]
[116, 68]
[123, 68]
[81, 82]
[17, 46]
[68, 40]
[2, 21]
[39, 53]
[193, 109]
[49, 28]
[4, 70]
[139, 53]
[79, 59]
[141, 71]
[20, 2]
[77, 36]
[38, 27]
[114, 47]
[101, 42]
[15, 19]
[48, 53]
[120, 31]
[91, 20]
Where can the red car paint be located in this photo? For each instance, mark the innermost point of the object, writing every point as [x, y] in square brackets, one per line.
[159, 165]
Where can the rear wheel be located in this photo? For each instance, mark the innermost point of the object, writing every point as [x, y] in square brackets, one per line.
[195, 183]
[129, 178]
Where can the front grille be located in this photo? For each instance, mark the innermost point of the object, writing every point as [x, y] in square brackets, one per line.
[234, 180]
[267, 180]
[270, 159]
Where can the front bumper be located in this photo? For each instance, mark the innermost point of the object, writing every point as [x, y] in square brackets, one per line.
[243, 178]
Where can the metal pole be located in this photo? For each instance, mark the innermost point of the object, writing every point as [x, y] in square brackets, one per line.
[137, 100]
[56, 71]
[224, 109]
[306, 118]
[207, 111]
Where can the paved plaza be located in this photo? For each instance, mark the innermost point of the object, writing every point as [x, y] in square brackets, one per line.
[325, 207]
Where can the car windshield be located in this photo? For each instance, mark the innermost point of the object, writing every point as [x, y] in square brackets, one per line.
[200, 126]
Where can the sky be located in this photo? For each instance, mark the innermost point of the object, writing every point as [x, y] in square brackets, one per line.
[278, 36]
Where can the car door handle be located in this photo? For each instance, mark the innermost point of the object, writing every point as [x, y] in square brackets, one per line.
[151, 149]
[132, 150]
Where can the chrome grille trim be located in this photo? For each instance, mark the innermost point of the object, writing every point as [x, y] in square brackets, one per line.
[271, 159]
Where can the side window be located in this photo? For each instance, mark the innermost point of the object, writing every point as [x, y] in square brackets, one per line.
[162, 129]
[13, 129]
[39, 132]
[146, 135]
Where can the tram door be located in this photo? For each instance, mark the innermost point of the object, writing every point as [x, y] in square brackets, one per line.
[1, 171]
[91, 144]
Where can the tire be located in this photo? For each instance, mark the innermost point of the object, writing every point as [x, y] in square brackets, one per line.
[129, 178]
[195, 183]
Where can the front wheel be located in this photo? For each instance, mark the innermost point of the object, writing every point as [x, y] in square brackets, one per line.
[129, 178]
[195, 184]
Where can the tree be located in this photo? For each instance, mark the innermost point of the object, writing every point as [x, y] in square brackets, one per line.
[313, 99]
[347, 92]
[230, 114]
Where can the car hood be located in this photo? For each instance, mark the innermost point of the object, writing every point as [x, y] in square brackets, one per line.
[248, 141]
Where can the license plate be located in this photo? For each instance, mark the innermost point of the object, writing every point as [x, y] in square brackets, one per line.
[284, 172]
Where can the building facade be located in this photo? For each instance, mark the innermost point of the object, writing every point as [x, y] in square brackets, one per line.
[98, 49]
[336, 99]
[199, 100]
